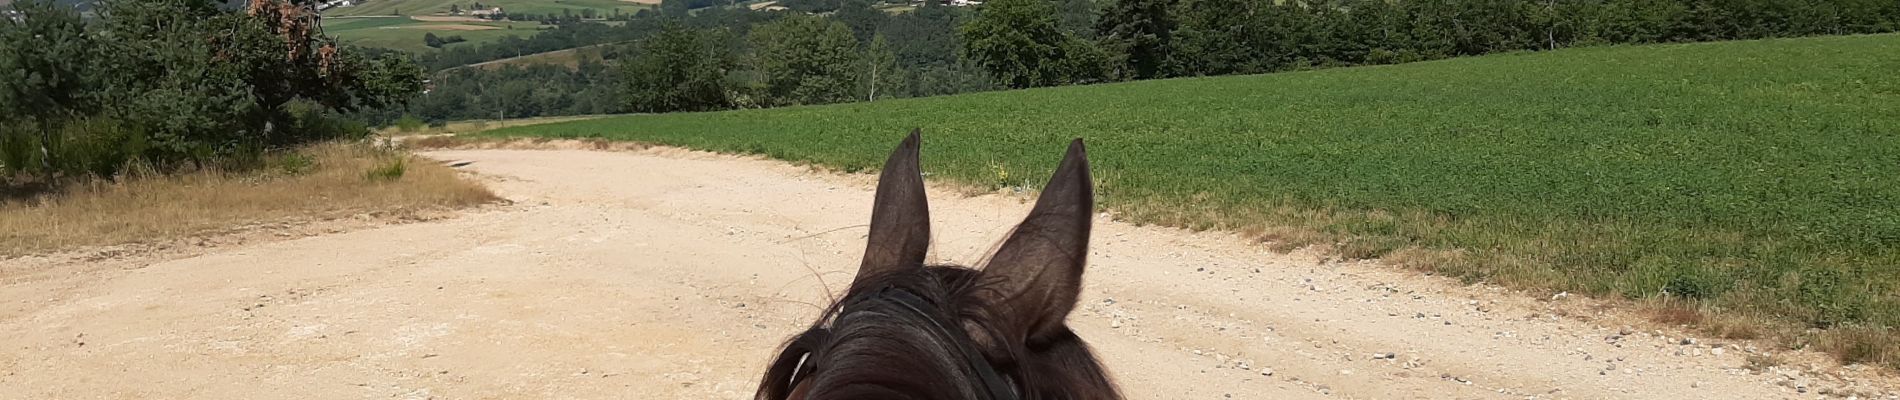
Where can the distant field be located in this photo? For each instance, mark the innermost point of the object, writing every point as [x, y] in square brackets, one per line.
[429, 7]
[1756, 180]
[403, 33]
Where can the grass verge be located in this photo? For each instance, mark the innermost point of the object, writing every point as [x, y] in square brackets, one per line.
[323, 181]
[1755, 181]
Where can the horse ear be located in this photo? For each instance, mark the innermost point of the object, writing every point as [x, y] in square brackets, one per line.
[1036, 274]
[900, 215]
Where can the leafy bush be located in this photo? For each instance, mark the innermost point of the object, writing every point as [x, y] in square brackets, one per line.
[99, 147]
[409, 124]
[295, 163]
[19, 150]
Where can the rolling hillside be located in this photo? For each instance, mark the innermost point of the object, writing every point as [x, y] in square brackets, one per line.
[431, 7]
[1738, 181]
[406, 33]
[570, 58]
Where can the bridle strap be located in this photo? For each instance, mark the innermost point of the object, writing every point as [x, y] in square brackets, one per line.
[993, 383]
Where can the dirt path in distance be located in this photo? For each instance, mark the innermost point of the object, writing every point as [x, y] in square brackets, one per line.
[666, 274]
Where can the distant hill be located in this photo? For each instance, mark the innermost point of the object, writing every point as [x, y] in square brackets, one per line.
[82, 5]
[570, 58]
[406, 33]
[88, 5]
[518, 7]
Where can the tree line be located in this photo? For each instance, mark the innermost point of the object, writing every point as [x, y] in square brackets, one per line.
[178, 82]
[517, 92]
[1165, 38]
[753, 59]
[729, 57]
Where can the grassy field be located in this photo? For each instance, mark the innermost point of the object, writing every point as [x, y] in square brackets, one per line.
[320, 182]
[1751, 181]
[538, 7]
[403, 33]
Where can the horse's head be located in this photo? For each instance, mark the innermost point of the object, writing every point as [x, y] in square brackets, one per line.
[905, 330]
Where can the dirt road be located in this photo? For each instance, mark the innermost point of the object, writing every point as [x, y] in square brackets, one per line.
[665, 274]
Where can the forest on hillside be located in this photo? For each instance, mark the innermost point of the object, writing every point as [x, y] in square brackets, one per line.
[713, 57]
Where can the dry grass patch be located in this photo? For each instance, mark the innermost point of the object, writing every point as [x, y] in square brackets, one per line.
[1862, 345]
[1725, 325]
[325, 181]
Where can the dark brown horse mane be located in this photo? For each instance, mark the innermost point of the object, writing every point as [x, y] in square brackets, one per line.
[953, 332]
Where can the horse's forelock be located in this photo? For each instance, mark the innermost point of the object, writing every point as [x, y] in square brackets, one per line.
[849, 354]
[850, 347]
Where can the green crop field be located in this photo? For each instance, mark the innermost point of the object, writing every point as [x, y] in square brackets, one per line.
[1756, 180]
[538, 7]
[403, 33]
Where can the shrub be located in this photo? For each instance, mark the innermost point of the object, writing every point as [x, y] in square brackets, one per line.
[99, 147]
[389, 170]
[409, 124]
[295, 163]
[18, 149]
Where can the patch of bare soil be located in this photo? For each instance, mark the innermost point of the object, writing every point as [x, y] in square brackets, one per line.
[662, 273]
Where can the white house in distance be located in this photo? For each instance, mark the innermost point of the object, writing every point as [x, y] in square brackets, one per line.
[485, 13]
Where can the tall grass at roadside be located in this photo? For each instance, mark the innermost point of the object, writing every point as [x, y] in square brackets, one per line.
[1755, 180]
[324, 181]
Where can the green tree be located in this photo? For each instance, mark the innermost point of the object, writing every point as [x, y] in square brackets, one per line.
[173, 80]
[1022, 45]
[429, 39]
[200, 82]
[677, 69]
[861, 18]
[1139, 36]
[44, 75]
[882, 75]
[1078, 17]
[805, 60]
[1218, 37]
[283, 57]
[676, 8]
